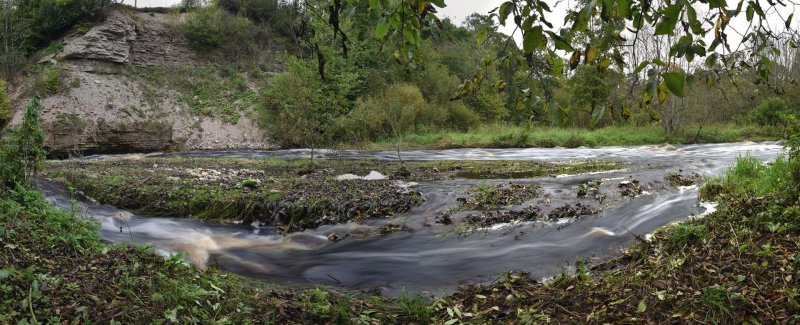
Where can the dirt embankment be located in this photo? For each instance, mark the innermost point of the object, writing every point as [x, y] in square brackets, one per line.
[99, 95]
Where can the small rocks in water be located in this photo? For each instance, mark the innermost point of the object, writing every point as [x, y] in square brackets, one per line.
[531, 213]
[402, 172]
[589, 188]
[568, 211]
[444, 219]
[630, 188]
[333, 237]
[390, 228]
[372, 176]
[306, 171]
[679, 179]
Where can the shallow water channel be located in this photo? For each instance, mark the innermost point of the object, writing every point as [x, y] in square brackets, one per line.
[426, 258]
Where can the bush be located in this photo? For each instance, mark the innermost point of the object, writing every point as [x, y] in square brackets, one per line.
[489, 105]
[278, 14]
[774, 112]
[398, 110]
[295, 106]
[5, 105]
[51, 80]
[298, 106]
[21, 151]
[210, 27]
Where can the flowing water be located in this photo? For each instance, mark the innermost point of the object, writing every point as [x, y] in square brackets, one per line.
[427, 258]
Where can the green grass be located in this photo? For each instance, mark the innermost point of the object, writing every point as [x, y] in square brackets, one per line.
[210, 91]
[509, 136]
[750, 177]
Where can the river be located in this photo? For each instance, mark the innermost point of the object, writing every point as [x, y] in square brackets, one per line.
[424, 259]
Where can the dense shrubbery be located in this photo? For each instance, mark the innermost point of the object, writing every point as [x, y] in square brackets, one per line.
[401, 109]
[21, 149]
[278, 15]
[5, 105]
[211, 27]
[31, 24]
[776, 112]
[298, 106]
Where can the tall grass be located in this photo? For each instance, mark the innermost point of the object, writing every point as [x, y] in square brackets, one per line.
[752, 177]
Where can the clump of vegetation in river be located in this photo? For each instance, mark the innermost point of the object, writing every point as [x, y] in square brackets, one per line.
[486, 197]
[273, 194]
[737, 265]
[295, 195]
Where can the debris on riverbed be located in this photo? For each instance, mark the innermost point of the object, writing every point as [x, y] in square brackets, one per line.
[392, 227]
[485, 197]
[530, 213]
[570, 211]
[491, 218]
[592, 189]
[678, 179]
[630, 188]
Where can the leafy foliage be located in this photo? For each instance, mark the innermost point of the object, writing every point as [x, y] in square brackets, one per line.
[31, 24]
[5, 105]
[22, 150]
[211, 27]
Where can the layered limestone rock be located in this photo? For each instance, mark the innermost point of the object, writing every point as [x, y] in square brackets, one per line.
[105, 105]
[110, 41]
[102, 136]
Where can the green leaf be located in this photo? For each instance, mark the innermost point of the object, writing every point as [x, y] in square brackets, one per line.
[381, 30]
[641, 66]
[591, 53]
[750, 13]
[604, 63]
[560, 42]
[574, 60]
[694, 24]
[669, 19]
[558, 65]
[597, 115]
[411, 36]
[439, 3]
[789, 21]
[624, 8]
[642, 307]
[533, 40]
[505, 10]
[676, 82]
[555, 111]
[717, 4]
[483, 34]
[757, 7]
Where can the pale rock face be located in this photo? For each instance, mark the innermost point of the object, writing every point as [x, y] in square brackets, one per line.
[109, 41]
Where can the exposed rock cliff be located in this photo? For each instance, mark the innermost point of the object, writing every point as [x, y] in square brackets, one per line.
[100, 95]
